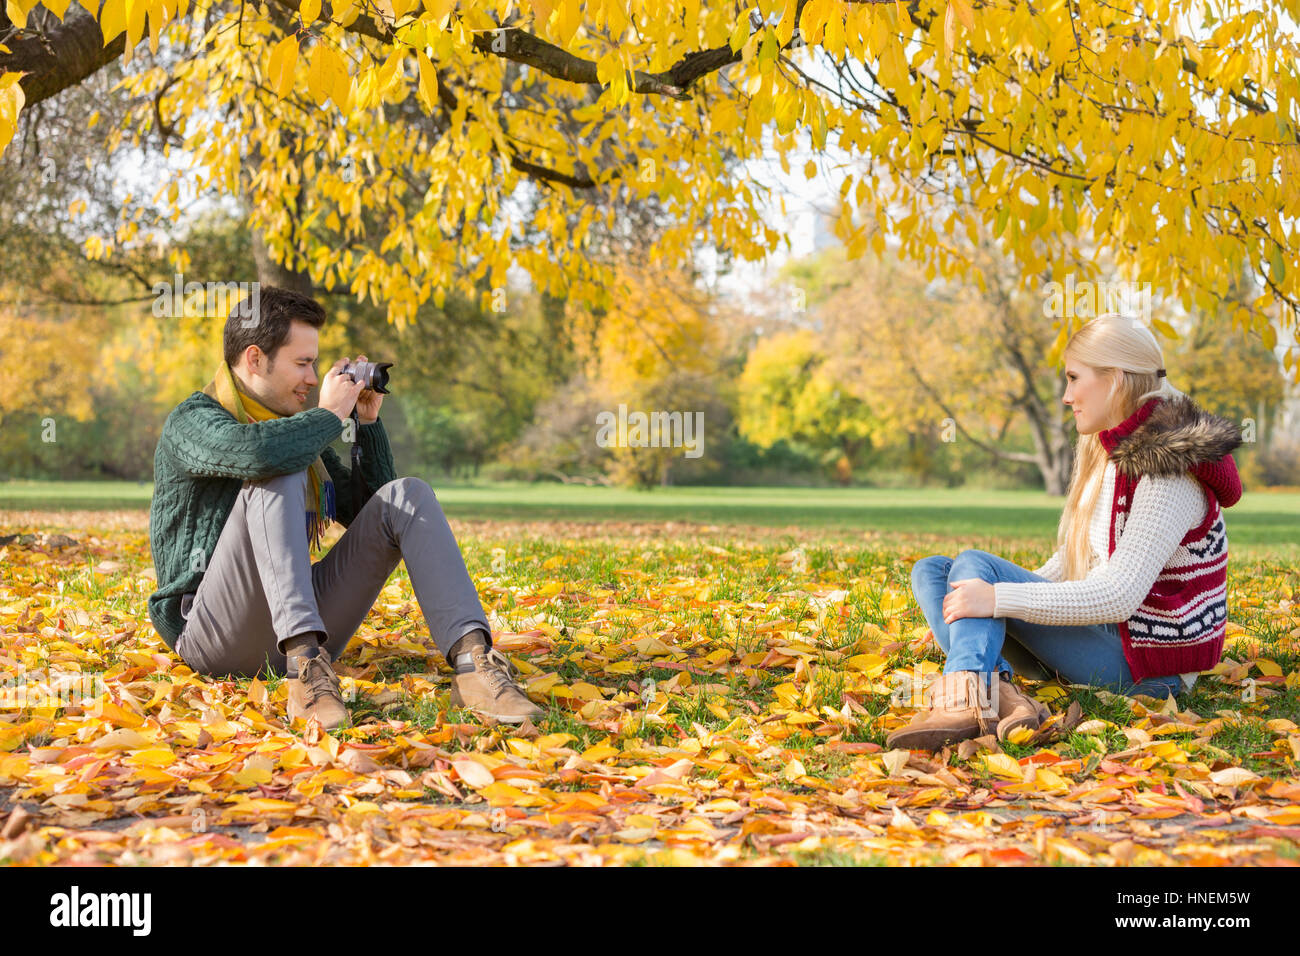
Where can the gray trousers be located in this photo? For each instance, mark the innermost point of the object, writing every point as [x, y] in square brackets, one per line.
[261, 587]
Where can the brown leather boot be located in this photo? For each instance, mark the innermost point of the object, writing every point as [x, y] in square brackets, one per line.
[955, 711]
[314, 690]
[485, 684]
[1017, 709]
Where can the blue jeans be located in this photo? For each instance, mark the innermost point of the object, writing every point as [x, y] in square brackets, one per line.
[1078, 654]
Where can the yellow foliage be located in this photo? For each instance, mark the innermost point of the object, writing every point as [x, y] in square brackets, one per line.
[1139, 138]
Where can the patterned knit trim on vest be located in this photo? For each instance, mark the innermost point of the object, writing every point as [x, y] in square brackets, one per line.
[1180, 625]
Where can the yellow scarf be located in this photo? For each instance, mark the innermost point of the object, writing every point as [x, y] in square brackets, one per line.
[246, 409]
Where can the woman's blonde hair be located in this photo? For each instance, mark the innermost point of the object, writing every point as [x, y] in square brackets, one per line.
[1125, 351]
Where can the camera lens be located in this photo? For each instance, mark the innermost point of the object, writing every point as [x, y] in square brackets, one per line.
[374, 375]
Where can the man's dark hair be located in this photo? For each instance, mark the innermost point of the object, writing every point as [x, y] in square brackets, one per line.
[265, 321]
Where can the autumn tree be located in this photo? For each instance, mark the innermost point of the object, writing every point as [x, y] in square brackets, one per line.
[789, 391]
[384, 149]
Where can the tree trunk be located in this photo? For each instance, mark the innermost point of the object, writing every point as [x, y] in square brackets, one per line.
[270, 272]
[1052, 449]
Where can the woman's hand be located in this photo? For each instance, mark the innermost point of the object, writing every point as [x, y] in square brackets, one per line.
[970, 597]
[368, 403]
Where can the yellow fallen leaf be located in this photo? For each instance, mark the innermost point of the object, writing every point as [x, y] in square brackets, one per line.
[1285, 817]
[1002, 765]
[256, 692]
[634, 834]
[543, 683]
[894, 761]
[257, 769]
[653, 647]
[1020, 735]
[473, 773]
[584, 691]
[873, 665]
[1044, 779]
[10, 737]
[601, 751]
[523, 748]
[123, 739]
[902, 821]
[153, 757]
[1233, 776]
[114, 714]
[358, 761]
[502, 794]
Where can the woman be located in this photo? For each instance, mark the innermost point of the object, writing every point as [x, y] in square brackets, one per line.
[1134, 599]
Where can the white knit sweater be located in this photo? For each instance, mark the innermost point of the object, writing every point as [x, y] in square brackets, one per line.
[1164, 510]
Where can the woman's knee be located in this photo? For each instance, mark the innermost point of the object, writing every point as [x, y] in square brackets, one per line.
[969, 564]
[927, 571]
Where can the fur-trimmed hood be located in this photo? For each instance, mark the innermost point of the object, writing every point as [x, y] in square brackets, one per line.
[1167, 437]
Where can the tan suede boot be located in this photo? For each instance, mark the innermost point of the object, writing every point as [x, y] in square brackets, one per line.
[1017, 709]
[955, 711]
[485, 685]
[314, 690]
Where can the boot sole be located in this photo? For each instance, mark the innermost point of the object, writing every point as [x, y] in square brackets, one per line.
[508, 718]
[457, 701]
[1033, 723]
[931, 738]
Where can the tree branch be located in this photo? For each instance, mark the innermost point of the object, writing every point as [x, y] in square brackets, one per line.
[991, 449]
[58, 55]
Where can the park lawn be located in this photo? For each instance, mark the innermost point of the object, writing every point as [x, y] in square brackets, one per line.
[713, 695]
[1262, 524]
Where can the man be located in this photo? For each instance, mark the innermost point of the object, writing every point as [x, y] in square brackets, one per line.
[244, 479]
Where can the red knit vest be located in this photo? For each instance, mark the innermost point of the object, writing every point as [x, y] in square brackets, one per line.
[1180, 625]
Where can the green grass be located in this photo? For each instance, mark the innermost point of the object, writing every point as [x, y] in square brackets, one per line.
[423, 711]
[1241, 739]
[391, 670]
[557, 719]
[1261, 520]
[832, 857]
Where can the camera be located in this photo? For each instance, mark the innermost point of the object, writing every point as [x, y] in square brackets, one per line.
[374, 375]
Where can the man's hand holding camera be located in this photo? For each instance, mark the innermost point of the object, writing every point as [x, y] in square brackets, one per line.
[339, 392]
[368, 402]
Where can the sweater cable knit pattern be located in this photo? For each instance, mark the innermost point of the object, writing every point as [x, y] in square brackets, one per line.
[203, 458]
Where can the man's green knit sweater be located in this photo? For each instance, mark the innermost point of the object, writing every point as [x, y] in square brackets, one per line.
[205, 455]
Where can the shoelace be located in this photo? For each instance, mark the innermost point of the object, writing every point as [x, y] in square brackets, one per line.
[498, 671]
[317, 677]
